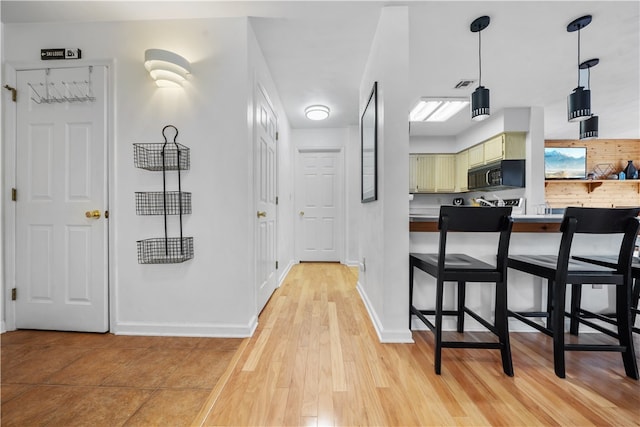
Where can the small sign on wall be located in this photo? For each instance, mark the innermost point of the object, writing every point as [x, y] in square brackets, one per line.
[61, 53]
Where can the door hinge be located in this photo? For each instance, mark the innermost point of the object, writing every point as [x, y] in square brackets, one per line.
[106, 214]
[14, 92]
[276, 200]
[14, 294]
[277, 135]
[276, 265]
[14, 195]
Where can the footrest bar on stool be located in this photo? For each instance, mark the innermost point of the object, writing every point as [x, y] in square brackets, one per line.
[480, 320]
[471, 344]
[596, 326]
[595, 347]
[426, 321]
[534, 325]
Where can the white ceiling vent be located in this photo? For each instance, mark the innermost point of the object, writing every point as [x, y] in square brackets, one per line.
[464, 83]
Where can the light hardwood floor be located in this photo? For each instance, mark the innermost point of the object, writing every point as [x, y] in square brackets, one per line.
[316, 360]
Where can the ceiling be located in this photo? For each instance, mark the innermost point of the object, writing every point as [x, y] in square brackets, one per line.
[317, 52]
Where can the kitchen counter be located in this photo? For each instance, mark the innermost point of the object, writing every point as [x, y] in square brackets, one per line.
[521, 223]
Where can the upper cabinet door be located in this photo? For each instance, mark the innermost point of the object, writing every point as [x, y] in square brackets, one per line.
[494, 149]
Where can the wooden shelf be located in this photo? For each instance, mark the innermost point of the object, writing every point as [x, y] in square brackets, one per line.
[592, 184]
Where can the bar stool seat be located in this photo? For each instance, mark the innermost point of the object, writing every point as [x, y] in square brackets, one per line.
[462, 268]
[560, 270]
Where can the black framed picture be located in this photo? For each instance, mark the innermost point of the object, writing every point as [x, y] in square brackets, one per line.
[369, 146]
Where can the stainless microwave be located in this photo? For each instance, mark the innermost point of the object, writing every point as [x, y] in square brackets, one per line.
[499, 175]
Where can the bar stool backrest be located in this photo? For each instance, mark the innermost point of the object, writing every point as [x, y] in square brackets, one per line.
[600, 221]
[476, 219]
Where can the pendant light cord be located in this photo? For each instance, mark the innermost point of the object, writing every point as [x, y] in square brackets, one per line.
[578, 57]
[480, 58]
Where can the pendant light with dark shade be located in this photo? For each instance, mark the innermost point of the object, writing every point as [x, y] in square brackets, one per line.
[579, 101]
[589, 127]
[480, 97]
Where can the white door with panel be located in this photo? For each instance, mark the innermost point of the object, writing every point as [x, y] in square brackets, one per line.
[266, 126]
[61, 180]
[319, 222]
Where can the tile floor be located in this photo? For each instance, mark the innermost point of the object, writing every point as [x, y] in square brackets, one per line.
[69, 378]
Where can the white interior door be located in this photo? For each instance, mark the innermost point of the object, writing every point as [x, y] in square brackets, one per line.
[266, 170]
[318, 198]
[61, 174]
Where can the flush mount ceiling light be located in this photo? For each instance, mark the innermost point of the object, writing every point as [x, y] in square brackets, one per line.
[589, 127]
[436, 109]
[168, 69]
[480, 97]
[579, 101]
[317, 112]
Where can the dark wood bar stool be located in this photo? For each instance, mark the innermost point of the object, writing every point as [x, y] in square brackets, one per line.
[462, 268]
[561, 270]
[576, 294]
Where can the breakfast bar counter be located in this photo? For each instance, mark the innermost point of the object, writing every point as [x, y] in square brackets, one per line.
[533, 235]
[521, 223]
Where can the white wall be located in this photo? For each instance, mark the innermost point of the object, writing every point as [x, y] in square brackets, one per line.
[213, 294]
[383, 236]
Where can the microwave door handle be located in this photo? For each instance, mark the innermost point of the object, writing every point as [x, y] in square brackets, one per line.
[486, 177]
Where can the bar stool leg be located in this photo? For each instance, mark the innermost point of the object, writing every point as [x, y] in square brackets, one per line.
[549, 324]
[502, 327]
[461, 298]
[576, 295]
[438, 325]
[557, 324]
[623, 315]
[410, 292]
[634, 300]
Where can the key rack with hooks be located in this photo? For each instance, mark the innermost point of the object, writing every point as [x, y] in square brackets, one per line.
[164, 157]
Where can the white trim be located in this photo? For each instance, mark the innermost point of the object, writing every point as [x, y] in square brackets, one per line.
[214, 330]
[319, 149]
[401, 336]
[285, 272]
[9, 209]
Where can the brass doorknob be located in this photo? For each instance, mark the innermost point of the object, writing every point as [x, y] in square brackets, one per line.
[92, 214]
[261, 214]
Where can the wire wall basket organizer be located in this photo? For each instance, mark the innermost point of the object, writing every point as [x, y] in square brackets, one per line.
[161, 156]
[162, 250]
[159, 203]
[164, 157]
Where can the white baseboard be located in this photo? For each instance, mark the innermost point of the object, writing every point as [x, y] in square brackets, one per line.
[284, 273]
[186, 329]
[3, 327]
[387, 336]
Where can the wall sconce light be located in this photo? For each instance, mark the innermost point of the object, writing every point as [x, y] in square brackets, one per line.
[579, 101]
[168, 69]
[480, 97]
[316, 112]
[589, 127]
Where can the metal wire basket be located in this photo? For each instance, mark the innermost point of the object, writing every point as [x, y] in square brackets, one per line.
[154, 202]
[161, 250]
[150, 156]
